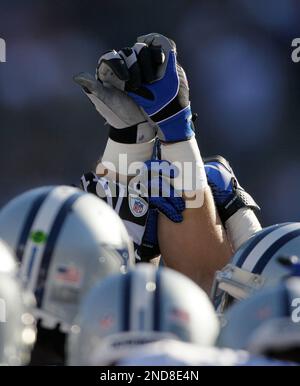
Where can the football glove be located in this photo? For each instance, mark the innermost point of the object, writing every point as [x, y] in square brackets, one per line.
[150, 74]
[228, 195]
[138, 204]
[127, 122]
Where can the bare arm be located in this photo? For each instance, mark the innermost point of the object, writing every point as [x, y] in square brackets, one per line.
[198, 246]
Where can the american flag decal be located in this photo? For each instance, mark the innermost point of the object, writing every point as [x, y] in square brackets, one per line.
[264, 313]
[107, 321]
[181, 315]
[68, 275]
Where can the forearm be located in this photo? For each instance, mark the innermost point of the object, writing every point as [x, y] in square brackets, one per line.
[198, 246]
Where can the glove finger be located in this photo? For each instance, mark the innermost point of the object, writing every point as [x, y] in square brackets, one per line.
[146, 63]
[172, 195]
[112, 70]
[150, 234]
[111, 103]
[157, 54]
[135, 78]
[178, 203]
[155, 39]
[167, 45]
[165, 207]
[86, 81]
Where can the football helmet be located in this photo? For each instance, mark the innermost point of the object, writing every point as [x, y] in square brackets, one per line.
[256, 264]
[17, 324]
[267, 323]
[146, 305]
[65, 240]
[8, 263]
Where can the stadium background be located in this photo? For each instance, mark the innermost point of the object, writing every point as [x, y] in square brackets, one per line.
[237, 54]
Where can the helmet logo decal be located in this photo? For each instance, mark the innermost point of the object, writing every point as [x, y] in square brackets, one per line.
[38, 237]
[23, 239]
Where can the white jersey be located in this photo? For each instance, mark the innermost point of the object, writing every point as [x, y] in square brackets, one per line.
[175, 353]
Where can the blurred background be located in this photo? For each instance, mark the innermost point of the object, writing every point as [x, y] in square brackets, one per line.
[237, 54]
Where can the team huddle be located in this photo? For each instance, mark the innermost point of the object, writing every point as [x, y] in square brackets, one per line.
[157, 256]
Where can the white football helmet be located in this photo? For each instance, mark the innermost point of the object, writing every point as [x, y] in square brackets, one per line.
[143, 306]
[267, 323]
[8, 263]
[256, 264]
[65, 241]
[17, 324]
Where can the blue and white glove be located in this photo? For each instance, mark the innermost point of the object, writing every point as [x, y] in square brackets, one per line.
[151, 76]
[228, 195]
[162, 198]
[138, 204]
[154, 180]
[127, 122]
[149, 247]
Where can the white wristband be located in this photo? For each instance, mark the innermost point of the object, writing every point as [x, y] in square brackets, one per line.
[186, 157]
[119, 156]
[241, 226]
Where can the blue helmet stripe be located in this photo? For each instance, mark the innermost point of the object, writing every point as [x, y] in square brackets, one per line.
[31, 261]
[286, 302]
[51, 242]
[256, 239]
[157, 302]
[127, 283]
[270, 252]
[35, 207]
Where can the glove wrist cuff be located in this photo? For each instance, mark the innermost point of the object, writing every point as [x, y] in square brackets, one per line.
[177, 128]
[192, 177]
[239, 200]
[139, 133]
[119, 156]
